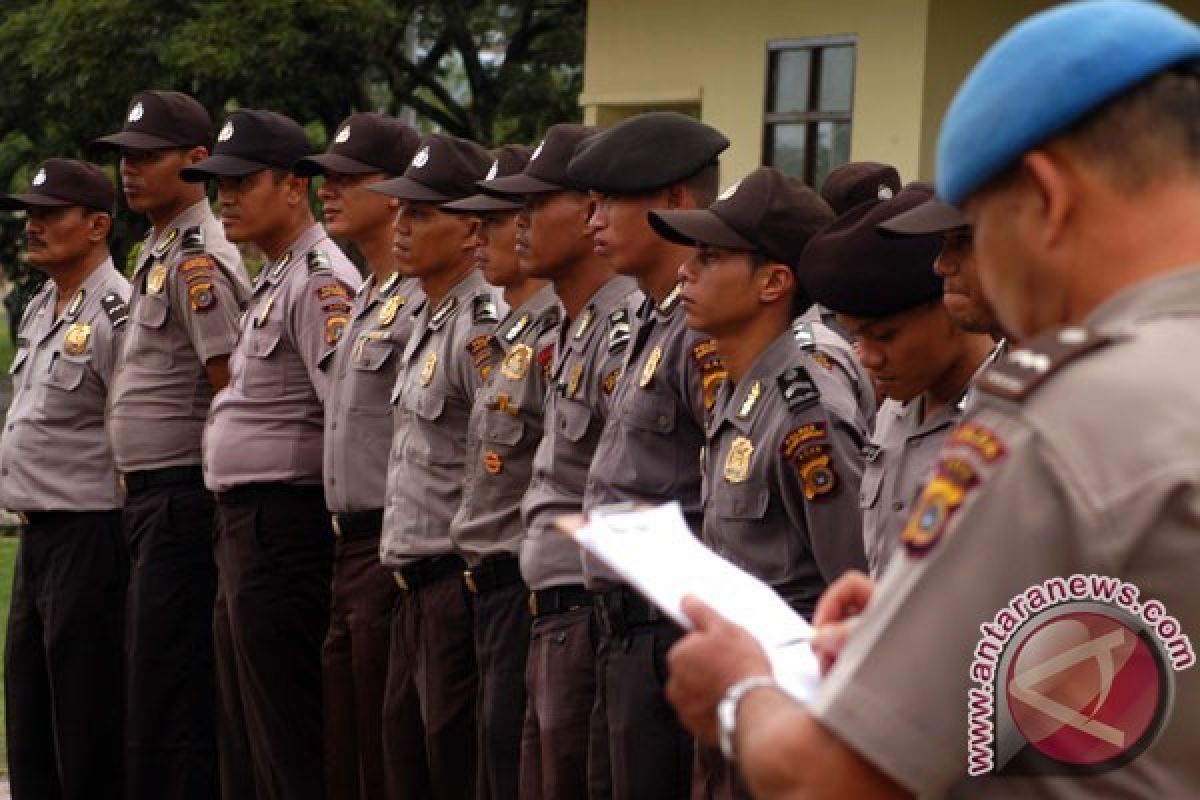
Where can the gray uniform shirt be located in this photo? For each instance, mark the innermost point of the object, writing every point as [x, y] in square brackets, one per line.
[54, 452]
[267, 425]
[782, 473]
[449, 356]
[504, 431]
[358, 409]
[188, 294]
[1094, 471]
[587, 370]
[836, 355]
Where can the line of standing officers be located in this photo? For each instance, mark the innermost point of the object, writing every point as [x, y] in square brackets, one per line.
[295, 538]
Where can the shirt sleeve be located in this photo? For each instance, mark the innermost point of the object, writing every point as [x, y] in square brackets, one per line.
[319, 314]
[205, 300]
[703, 374]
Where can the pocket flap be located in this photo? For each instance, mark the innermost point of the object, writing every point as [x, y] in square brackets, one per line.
[262, 343]
[743, 502]
[150, 310]
[573, 420]
[650, 411]
[427, 405]
[503, 428]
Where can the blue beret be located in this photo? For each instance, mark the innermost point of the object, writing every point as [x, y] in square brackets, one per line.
[1047, 73]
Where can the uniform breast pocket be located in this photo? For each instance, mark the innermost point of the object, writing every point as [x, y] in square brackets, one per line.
[63, 381]
[151, 348]
[651, 411]
[573, 421]
[502, 428]
[427, 407]
[748, 541]
[264, 371]
[374, 376]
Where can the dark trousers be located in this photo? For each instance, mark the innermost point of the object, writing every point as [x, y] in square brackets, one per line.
[560, 680]
[354, 661]
[274, 553]
[64, 679]
[170, 726]
[501, 645]
[433, 654]
[649, 752]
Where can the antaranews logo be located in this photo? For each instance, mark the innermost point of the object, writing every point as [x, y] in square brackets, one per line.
[1074, 676]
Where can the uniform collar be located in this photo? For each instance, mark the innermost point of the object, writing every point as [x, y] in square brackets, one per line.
[89, 291]
[598, 306]
[274, 272]
[157, 247]
[750, 394]
[526, 316]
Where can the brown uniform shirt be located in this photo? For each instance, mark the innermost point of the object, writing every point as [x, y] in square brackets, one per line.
[449, 357]
[358, 409]
[782, 472]
[504, 430]
[54, 452]
[267, 425]
[1081, 464]
[587, 369]
[188, 295]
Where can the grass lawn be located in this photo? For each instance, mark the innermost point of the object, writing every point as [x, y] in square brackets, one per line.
[8, 553]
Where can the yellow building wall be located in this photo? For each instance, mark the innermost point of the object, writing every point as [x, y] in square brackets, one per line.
[710, 58]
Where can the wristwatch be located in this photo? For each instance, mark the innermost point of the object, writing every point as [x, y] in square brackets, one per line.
[728, 707]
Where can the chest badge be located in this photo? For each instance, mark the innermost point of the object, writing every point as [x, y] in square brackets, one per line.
[737, 463]
[650, 367]
[516, 363]
[156, 279]
[75, 341]
[429, 369]
[387, 315]
[574, 379]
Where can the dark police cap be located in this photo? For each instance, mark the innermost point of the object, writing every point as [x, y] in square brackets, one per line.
[645, 153]
[547, 168]
[364, 143]
[445, 168]
[932, 216]
[252, 140]
[852, 268]
[61, 182]
[157, 120]
[857, 182]
[509, 160]
[767, 212]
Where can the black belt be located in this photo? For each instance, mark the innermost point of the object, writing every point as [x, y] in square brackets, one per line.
[558, 600]
[248, 493]
[621, 609]
[494, 573]
[141, 480]
[425, 571]
[358, 524]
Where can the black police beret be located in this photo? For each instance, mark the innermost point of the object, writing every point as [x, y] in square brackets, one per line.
[547, 167]
[645, 153]
[857, 182]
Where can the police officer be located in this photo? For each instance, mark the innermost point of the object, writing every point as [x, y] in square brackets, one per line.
[1058, 468]
[262, 456]
[448, 357]
[888, 298]
[190, 287]
[63, 679]
[502, 435]
[649, 451]
[555, 242]
[367, 148]
[783, 451]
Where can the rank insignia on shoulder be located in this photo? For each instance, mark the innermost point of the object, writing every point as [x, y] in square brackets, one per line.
[798, 388]
[319, 261]
[619, 330]
[193, 240]
[387, 314]
[517, 327]
[737, 462]
[803, 334]
[75, 340]
[442, 312]
[334, 327]
[516, 363]
[1015, 376]
[609, 384]
[115, 308]
[162, 247]
[484, 309]
[942, 496]
[202, 297]
[156, 279]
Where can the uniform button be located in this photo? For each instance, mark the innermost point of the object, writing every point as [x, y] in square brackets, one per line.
[897, 506]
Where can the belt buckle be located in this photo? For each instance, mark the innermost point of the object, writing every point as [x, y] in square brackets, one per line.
[400, 580]
[533, 605]
[469, 580]
[337, 526]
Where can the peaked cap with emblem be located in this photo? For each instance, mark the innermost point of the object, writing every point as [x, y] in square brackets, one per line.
[646, 152]
[61, 182]
[852, 268]
[445, 168]
[252, 140]
[767, 212]
[932, 216]
[158, 120]
[364, 143]
[857, 182]
[509, 160]
[547, 168]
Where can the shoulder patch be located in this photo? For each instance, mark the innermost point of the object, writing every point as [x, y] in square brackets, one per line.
[319, 261]
[484, 309]
[116, 309]
[193, 240]
[798, 388]
[1018, 374]
[202, 297]
[480, 348]
[197, 264]
[619, 329]
[953, 479]
[803, 333]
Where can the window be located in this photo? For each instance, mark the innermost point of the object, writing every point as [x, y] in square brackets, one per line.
[810, 98]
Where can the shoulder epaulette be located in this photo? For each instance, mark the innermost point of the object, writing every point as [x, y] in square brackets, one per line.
[619, 330]
[116, 309]
[193, 240]
[803, 334]
[483, 308]
[798, 388]
[549, 319]
[1016, 375]
[318, 261]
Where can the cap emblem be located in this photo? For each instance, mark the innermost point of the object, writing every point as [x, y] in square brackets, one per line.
[538, 150]
[137, 112]
[40, 178]
[493, 172]
[226, 132]
[421, 158]
[884, 192]
[343, 135]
